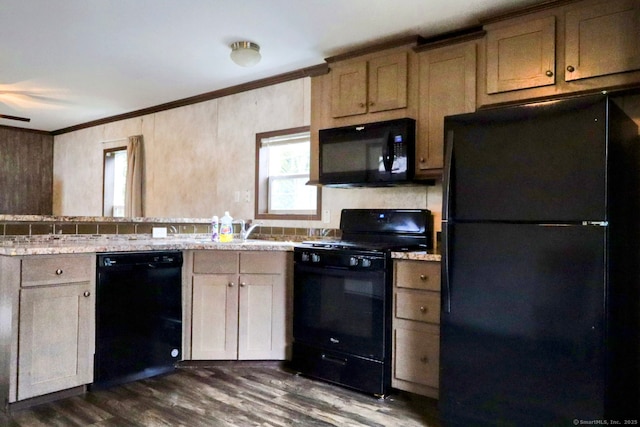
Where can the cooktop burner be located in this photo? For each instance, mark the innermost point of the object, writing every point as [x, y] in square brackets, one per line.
[380, 230]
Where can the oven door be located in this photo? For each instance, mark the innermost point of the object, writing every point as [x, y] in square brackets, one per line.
[341, 309]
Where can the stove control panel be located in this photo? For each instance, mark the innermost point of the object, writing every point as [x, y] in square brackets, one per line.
[339, 259]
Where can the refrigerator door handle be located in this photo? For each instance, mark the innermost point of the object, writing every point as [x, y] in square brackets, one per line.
[445, 285]
[446, 191]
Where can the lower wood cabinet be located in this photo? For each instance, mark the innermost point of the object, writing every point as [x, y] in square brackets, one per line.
[47, 337]
[239, 305]
[416, 326]
[56, 339]
[416, 368]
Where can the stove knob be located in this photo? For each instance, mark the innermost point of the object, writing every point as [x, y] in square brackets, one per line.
[305, 257]
[366, 262]
[353, 261]
[315, 258]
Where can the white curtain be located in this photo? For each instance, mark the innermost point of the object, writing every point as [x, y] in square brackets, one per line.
[134, 200]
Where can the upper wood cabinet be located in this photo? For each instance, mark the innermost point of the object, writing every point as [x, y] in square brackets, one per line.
[447, 85]
[521, 56]
[602, 38]
[560, 48]
[378, 84]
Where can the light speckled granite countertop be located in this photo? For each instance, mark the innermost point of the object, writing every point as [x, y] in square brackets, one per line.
[52, 245]
[55, 246]
[416, 256]
[96, 219]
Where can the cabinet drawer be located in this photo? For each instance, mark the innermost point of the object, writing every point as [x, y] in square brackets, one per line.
[417, 275]
[46, 270]
[416, 357]
[423, 307]
[215, 262]
[262, 262]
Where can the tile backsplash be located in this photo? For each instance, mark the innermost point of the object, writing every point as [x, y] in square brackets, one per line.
[11, 226]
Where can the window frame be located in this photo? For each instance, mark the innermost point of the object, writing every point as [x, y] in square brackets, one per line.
[106, 153]
[261, 191]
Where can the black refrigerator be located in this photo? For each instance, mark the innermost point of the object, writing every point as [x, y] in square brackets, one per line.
[540, 243]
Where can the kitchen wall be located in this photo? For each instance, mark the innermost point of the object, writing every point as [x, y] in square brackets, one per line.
[198, 156]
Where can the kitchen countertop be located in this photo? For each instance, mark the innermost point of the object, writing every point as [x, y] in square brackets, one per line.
[98, 219]
[54, 246]
[417, 256]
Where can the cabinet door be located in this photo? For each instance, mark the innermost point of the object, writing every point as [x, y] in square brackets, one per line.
[416, 357]
[447, 86]
[261, 328]
[388, 82]
[603, 38]
[214, 328]
[521, 56]
[56, 338]
[349, 89]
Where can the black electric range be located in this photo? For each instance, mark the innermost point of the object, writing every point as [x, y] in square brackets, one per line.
[343, 294]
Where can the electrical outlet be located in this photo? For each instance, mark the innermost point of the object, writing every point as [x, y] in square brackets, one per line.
[326, 216]
[158, 232]
[247, 196]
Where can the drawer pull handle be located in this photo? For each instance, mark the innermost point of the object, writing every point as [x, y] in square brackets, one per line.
[59, 271]
[423, 309]
[424, 359]
[336, 360]
[423, 277]
[86, 293]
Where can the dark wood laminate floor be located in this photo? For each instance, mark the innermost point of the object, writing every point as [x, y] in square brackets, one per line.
[229, 395]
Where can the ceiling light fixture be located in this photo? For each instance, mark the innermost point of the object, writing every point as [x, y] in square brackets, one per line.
[245, 54]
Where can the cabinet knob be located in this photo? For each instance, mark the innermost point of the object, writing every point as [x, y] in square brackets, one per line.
[243, 284]
[361, 105]
[424, 359]
[423, 309]
[86, 293]
[371, 104]
[59, 271]
[423, 277]
[549, 73]
[231, 284]
[421, 159]
[570, 69]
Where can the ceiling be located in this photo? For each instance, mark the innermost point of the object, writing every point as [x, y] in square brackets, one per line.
[69, 62]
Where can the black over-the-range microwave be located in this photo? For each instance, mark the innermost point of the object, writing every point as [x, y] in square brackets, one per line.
[371, 154]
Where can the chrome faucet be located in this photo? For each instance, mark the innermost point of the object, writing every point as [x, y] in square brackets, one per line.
[244, 234]
[247, 232]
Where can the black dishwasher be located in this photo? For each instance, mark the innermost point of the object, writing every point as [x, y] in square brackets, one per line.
[138, 316]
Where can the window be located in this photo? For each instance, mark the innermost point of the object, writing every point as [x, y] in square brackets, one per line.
[114, 181]
[282, 172]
